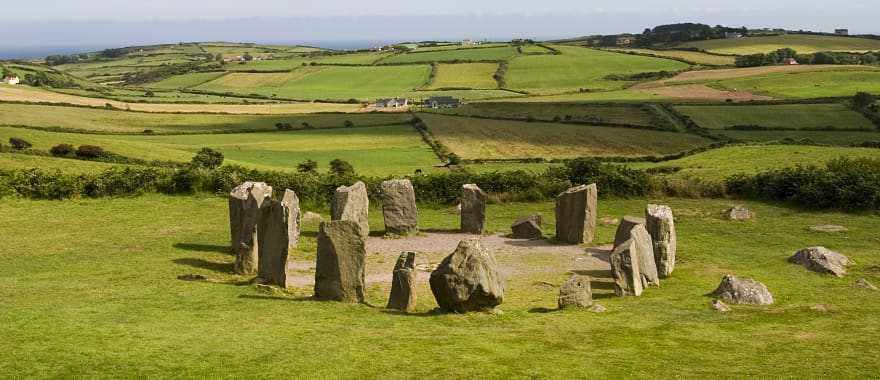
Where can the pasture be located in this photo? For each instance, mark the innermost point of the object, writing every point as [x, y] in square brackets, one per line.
[110, 316]
[802, 43]
[574, 112]
[465, 75]
[498, 53]
[186, 80]
[781, 116]
[472, 138]
[804, 85]
[690, 56]
[811, 137]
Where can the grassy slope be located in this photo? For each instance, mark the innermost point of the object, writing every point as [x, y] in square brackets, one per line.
[473, 138]
[475, 54]
[79, 304]
[691, 56]
[185, 81]
[630, 114]
[465, 75]
[821, 137]
[23, 161]
[802, 43]
[802, 116]
[579, 68]
[809, 84]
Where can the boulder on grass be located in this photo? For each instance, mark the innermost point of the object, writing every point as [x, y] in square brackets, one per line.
[660, 224]
[403, 283]
[576, 210]
[743, 291]
[244, 213]
[738, 213]
[473, 209]
[352, 203]
[576, 292]
[468, 279]
[822, 260]
[273, 232]
[625, 269]
[527, 228]
[339, 269]
[399, 207]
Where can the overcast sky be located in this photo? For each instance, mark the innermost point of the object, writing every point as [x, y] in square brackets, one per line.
[33, 23]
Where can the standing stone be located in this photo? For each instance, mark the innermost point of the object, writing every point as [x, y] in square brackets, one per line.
[273, 235]
[352, 203]
[822, 260]
[625, 270]
[633, 228]
[576, 215]
[339, 268]
[527, 228]
[244, 212]
[576, 292]
[294, 217]
[661, 226]
[743, 291]
[403, 283]
[399, 207]
[473, 209]
[625, 227]
[468, 279]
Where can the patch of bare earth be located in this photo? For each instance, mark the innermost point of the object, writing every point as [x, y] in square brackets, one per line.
[516, 258]
[702, 92]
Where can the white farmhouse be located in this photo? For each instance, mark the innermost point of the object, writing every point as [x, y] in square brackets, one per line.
[11, 80]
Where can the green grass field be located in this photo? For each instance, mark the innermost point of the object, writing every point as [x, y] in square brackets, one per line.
[77, 303]
[107, 121]
[325, 82]
[578, 68]
[799, 116]
[371, 150]
[186, 80]
[802, 43]
[820, 137]
[498, 53]
[814, 84]
[472, 138]
[23, 161]
[622, 114]
[465, 75]
[690, 56]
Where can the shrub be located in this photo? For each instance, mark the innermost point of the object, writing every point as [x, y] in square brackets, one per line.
[307, 166]
[19, 144]
[863, 100]
[341, 168]
[612, 179]
[148, 131]
[208, 158]
[90, 151]
[283, 126]
[348, 124]
[63, 150]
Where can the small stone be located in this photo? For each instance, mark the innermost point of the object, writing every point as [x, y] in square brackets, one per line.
[403, 283]
[596, 308]
[822, 260]
[496, 311]
[399, 207]
[473, 209]
[743, 291]
[312, 217]
[192, 277]
[738, 213]
[575, 292]
[660, 224]
[468, 279]
[720, 306]
[352, 203]
[527, 228]
[865, 284]
[576, 210]
[829, 228]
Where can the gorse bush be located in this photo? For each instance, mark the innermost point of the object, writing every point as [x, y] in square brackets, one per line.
[90, 152]
[62, 150]
[207, 158]
[19, 143]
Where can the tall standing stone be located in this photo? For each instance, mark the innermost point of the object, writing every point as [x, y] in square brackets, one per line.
[468, 279]
[473, 209]
[294, 217]
[660, 224]
[625, 227]
[352, 203]
[576, 214]
[339, 268]
[272, 231]
[244, 211]
[403, 283]
[625, 269]
[399, 207]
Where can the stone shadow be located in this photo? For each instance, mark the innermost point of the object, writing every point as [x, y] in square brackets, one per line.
[543, 310]
[203, 247]
[205, 264]
[277, 298]
[601, 254]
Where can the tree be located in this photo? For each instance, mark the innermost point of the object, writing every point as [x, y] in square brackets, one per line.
[149, 94]
[307, 166]
[208, 158]
[218, 57]
[19, 144]
[863, 100]
[248, 57]
[341, 168]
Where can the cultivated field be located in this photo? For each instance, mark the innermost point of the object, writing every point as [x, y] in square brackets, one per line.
[465, 75]
[804, 85]
[574, 112]
[690, 56]
[784, 116]
[472, 54]
[810, 137]
[802, 43]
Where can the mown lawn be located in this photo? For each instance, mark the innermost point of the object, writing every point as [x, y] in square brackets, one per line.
[802, 43]
[95, 294]
[798, 116]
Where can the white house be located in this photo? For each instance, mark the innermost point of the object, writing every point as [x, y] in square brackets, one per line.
[11, 80]
[391, 102]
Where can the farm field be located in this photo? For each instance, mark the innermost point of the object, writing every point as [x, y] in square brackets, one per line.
[578, 68]
[614, 96]
[817, 137]
[839, 83]
[718, 164]
[186, 81]
[802, 43]
[118, 121]
[469, 54]
[12, 161]
[110, 317]
[465, 95]
[618, 114]
[784, 116]
[295, 62]
[703, 76]
[690, 56]
[472, 138]
[465, 75]
[325, 82]
[375, 151]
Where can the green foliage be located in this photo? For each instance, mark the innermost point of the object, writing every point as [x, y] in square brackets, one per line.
[341, 168]
[90, 152]
[616, 180]
[863, 100]
[208, 158]
[63, 150]
[307, 166]
[19, 143]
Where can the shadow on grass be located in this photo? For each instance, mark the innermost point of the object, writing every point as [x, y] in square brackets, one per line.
[203, 247]
[205, 264]
[277, 298]
[543, 310]
[430, 313]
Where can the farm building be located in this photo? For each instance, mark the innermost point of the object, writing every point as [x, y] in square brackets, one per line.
[732, 35]
[11, 80]
[442, 102]
[391, 102]
[841, 32]
[790, 61]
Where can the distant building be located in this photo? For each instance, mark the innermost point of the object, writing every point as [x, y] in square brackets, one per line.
[442, 102]
[391, 102]
[841, 32]
[625, 40]
[469, 42]
[12, 80]
[790, 61]
[732, 35]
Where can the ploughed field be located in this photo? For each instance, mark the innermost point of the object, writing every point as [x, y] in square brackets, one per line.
[78, 302]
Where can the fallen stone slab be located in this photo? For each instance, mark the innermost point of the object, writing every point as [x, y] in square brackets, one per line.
[340, 262]
[473, 209]
[468, 279]
[576, 211]
[744, 291]
[399, 207]
[660, 224]
[822, 260]
[352, 203]
[575, 292]
[527, 228]
[403, 283]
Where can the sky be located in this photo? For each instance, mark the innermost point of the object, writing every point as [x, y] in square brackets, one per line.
[34, 24]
